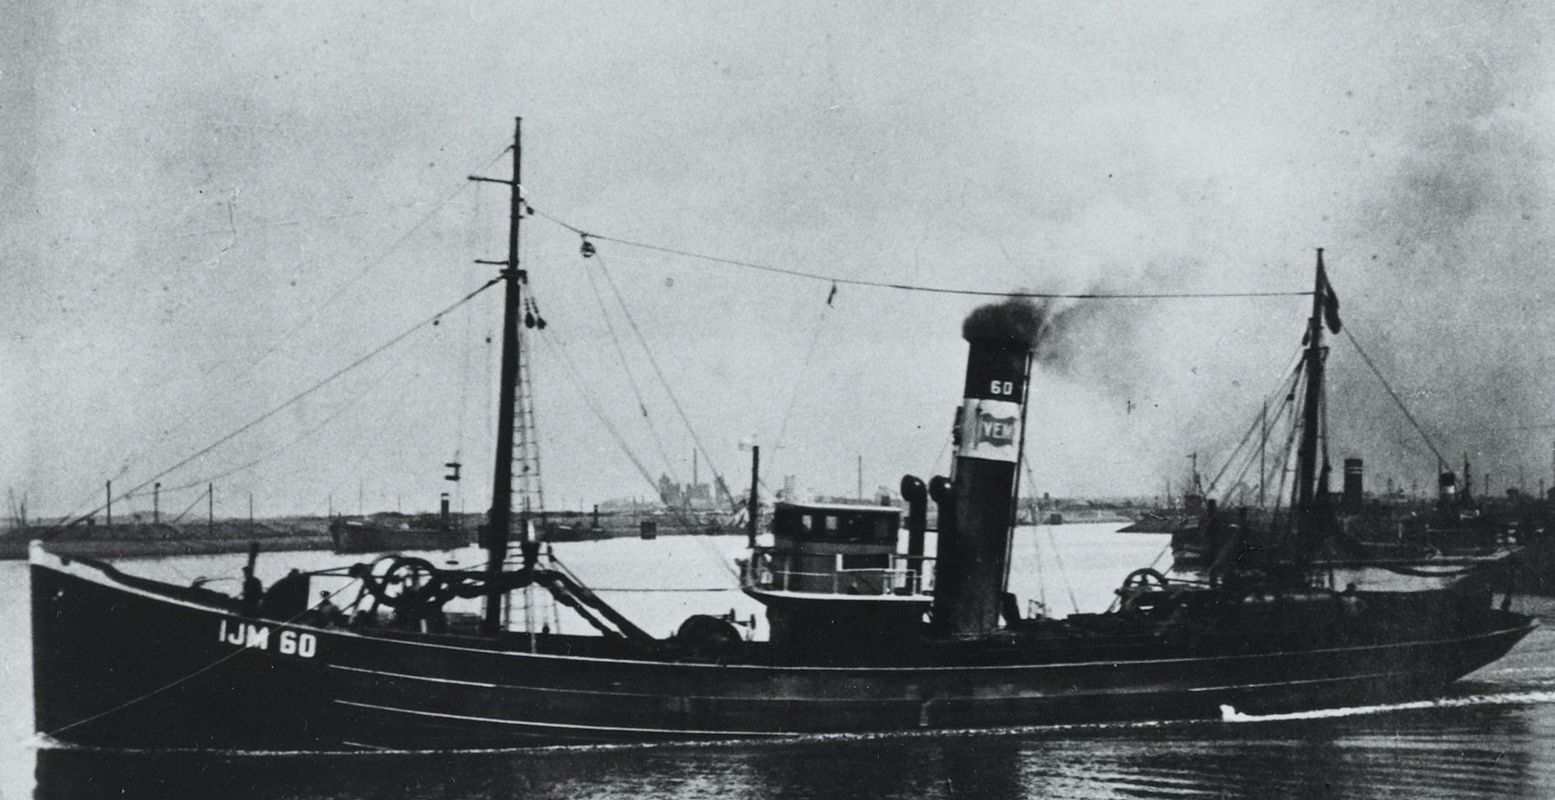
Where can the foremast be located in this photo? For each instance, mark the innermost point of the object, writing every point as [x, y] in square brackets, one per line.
[500, 522]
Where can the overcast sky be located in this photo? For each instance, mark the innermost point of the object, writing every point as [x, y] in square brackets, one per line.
[210, 207]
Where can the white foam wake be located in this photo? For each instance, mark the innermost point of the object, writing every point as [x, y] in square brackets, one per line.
[1230, 714]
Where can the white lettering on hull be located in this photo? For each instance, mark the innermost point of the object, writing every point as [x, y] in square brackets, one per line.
[257, 637]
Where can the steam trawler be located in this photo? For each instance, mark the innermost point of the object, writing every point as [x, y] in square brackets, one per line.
[865, 636]
[1336, 536]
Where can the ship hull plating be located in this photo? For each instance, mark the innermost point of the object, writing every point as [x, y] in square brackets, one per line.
[124, 666]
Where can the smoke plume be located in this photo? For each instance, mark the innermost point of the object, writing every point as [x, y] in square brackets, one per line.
[1014, 319]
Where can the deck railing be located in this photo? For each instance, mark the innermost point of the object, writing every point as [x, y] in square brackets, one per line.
[776, 570]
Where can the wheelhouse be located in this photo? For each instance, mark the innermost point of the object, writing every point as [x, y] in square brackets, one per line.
[834, 549]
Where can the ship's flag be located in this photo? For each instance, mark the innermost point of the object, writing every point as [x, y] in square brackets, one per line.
[1330, 300]
[1330, 307]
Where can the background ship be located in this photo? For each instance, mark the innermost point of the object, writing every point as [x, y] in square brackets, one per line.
[390, 531]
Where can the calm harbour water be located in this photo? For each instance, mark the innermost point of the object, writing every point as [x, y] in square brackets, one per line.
[1493, 737]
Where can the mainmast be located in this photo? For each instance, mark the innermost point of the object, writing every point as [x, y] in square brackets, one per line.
[500, 521]
[1306, 455]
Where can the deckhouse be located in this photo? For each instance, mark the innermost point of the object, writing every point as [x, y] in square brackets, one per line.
[833, 576]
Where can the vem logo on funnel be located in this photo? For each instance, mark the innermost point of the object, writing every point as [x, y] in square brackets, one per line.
[997, 431]
[988, 429]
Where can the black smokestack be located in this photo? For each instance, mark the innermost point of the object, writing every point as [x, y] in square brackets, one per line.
[1354, 486]
[1446, 488]
[974, 551]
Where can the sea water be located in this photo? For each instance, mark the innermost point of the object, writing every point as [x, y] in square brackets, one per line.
[1493, 736]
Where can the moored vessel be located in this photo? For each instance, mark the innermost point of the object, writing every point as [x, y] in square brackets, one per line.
[390, 532]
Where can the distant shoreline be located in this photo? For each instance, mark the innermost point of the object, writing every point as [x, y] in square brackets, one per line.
[141, 539]
[13, 547]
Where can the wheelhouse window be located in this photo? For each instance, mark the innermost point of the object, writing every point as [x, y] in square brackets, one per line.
[868, 528]
[836, 525]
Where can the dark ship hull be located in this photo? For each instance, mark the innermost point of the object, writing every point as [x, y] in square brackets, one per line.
[353, 536]
[128, 662]
[1160, 523]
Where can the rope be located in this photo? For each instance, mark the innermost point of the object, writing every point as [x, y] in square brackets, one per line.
[555, 343]
[1237, 451]
[306, 434]
[372, 263]
[626, 368]
[1063, 571]
[1509, 428]
[646, 590]
[911, 287]
[1259, 419]
[300, 395]
[1036, 541]
[1247, 464]
[798, 382]
[1349, 334]
[1290, 443]
[664, 382]
[621, 441]
[1281, 457]
[190, 507]
[160, 689]
[653, 430]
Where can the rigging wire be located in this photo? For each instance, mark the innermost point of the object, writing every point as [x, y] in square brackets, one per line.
[1036, 541]
[1063, 571]
[348, 405]
[464, 362]
[664, 382]
[373, 263]
[1290, 441]
[377, 427]
[1258, 420]
[804, 368]
[837, 279]
[1247, 463]
[190, 507]
[1281, 459]
[1349, 334]
[555, 342]
[1235, 452]
[663, 589]
[1509, 428]
[248, 369]
[631, 379]
[294, 399]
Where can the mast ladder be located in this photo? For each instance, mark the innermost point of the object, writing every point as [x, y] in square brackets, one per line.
[530, 499]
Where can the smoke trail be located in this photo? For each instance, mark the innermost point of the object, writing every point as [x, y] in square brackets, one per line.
[1454, 277]
[1014, 319]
